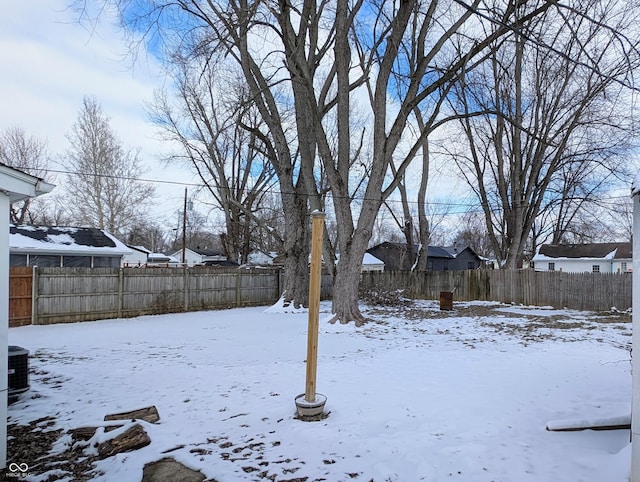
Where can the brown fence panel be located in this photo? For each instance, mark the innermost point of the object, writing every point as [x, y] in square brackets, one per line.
[83, 294]
[578, 291]
[20, 293]
[64, 295]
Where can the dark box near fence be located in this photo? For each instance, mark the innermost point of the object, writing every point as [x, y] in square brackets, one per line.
[18, 372]
[446, 300]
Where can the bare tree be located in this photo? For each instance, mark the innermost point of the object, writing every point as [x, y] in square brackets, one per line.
[310, 60]
[473, 233]
[550, 123]
[213, 121]
[28, 154]
[148, 235]
[103, 184]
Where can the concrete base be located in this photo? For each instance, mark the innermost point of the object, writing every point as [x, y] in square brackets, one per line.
[308, 410]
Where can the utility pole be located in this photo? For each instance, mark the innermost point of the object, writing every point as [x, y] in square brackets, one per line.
[184, 230]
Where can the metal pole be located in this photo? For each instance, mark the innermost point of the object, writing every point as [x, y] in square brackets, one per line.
[184, 230]
[315, 277]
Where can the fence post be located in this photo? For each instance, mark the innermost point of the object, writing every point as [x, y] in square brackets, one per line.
[238, 287]
[186, 289]
[279, 276]
[34, 295]
[120, 291]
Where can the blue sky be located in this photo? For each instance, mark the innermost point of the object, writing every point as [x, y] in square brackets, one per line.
[50, 62]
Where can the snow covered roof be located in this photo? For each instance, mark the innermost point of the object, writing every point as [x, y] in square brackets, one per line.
[64, 240]
[260, 258]
[206, 252]
[432, 252]
[142, 249]
[584, 251]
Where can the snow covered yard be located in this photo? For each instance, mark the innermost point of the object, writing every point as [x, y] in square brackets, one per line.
[416, 394]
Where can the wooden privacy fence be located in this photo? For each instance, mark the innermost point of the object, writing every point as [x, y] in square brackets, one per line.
[62, 295]
[579, 291]
[20, 295]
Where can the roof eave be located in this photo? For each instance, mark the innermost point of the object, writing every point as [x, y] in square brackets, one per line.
[19, 185]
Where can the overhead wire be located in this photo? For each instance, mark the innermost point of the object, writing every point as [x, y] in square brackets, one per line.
[440, 203]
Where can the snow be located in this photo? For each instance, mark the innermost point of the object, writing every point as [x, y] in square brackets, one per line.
[413, 395]
[61, 243]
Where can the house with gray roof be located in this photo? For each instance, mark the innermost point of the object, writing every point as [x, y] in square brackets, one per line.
[581, 258]
[64, 247]
[396, 257]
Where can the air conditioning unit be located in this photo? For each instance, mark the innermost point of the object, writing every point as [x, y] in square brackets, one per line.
[18, 372]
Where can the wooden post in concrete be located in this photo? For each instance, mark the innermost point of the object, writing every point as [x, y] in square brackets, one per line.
[315, 277]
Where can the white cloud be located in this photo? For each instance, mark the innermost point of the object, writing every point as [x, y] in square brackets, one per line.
[50, 62]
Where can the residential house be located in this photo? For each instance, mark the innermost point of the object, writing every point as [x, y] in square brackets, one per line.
[136, 258]
[64, 247]
[580, 258]
[160, 260]
[259, 258]
[15, 186]
[198, 256]
[371, 263]
[396, 257]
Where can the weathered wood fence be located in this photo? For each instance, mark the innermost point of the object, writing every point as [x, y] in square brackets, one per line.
[62, 295]
[579, 291]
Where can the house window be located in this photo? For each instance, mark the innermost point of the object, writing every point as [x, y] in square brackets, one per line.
[595, 268]
[471, 265]
[445, 266]
[106, 262]
[44, 260]
[623, 266]
[76, 261]
[18, 260]
[552, 266]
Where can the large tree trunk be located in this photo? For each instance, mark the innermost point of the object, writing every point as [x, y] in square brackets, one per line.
[296, 250]
[345, 288]
[345, 293]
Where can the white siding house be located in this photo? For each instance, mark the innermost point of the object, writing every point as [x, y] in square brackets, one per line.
[197, 256]
[15, 186]
[136, 258]
[371, 263]
[582, 258]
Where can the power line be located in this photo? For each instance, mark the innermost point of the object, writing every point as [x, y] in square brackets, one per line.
[203, 185]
